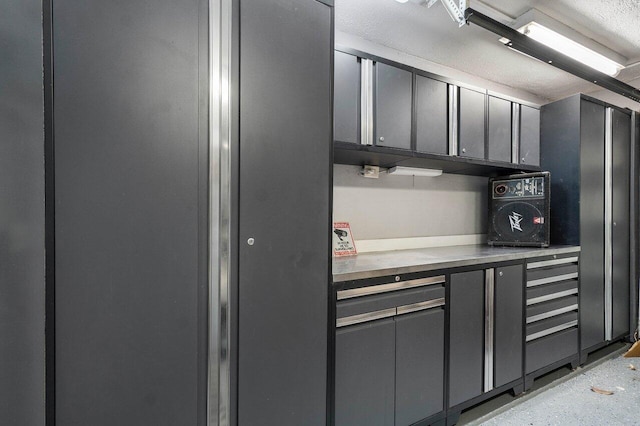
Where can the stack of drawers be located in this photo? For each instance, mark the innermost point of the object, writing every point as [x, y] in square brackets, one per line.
[552, 311]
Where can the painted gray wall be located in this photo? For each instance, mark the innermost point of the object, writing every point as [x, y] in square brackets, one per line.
[407, 206]
[22, 293]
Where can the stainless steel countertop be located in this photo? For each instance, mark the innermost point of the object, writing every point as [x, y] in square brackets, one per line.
[377, 264]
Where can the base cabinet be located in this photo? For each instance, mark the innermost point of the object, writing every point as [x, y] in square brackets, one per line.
[365, 365]
[466, 336]
[390, 354]
[390, 372]
[485, 331]
[419, 366]
[552, 302]
[503, 325]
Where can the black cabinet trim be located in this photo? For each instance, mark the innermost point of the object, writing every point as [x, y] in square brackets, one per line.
[359, 155]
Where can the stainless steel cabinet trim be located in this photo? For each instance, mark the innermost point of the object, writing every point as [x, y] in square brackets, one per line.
[384, 288]
[515, 133]
[369, 316]
[489, 292]
[453, 119]
[608, 203]
[366, 101]
[550, 314]
[554, 262]
[552, 330]
[555, 279]
[420, 306]
[220, 113]
[551, 296]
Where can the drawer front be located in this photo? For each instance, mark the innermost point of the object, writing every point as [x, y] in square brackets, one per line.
[544, 293]
[552, 261]
[552, 308]
[361, 305]
[547, 275]
[551, 325]
[390, 286]
[547, 350]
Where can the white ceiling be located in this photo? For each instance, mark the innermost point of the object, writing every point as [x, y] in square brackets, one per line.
[431, 35]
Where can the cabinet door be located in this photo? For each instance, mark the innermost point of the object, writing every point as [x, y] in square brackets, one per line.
[419, 365]
[466, 336]
[129, 235]
[620, 222]
[284, 154]
[529, 136]
[365, 368]
[471, 123]
[508, 324]
[591, 224]
[346, 99]
[393, 107]
[431, 116]
[499, 143]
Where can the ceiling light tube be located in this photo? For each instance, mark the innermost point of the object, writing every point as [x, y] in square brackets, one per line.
[568, 47]
[412, 171]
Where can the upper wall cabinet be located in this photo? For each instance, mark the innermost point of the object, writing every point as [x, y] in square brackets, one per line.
[431, 115]
[500, 130]
[471, 120]
[513, 132]
[346, 103]
[529, 136]
[389, 114]
[393, 92]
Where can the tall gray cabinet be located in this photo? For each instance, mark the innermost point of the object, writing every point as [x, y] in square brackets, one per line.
[130, 161]
[284, 211]
[586, 145]
[130, 152]
[22, 216]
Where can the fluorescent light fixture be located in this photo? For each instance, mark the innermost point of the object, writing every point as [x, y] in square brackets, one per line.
[569, 42]
[570, 48]
[402, 1]
[412, 171]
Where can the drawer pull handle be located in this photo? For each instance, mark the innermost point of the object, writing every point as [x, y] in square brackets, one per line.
[420, 306]
[384, 288]
[551, 330]
[554, 262]
[551, 296]
[366, 317]
[553, 313]
[549, 280]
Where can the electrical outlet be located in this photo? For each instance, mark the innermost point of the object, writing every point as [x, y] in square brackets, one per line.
[372, 172]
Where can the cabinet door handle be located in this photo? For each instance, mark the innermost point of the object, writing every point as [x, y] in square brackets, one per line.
[551, 330]
[552, 314]
[515, 132]
[453, 119]
[551, 296]
[549, 280]
[421, 306]
[366, 317]
[554, 262]
[489, 292]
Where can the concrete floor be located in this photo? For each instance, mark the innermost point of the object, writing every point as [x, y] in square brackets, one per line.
[564, 397]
